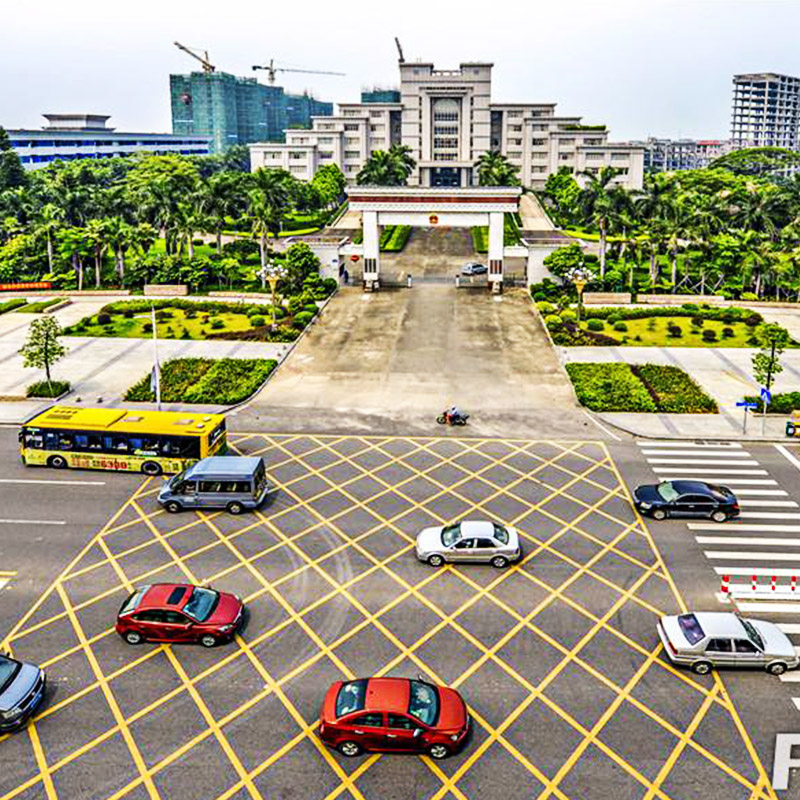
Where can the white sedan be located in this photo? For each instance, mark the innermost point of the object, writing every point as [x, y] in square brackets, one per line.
[470, 541]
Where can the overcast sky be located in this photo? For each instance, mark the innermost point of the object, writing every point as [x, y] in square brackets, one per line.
[643, 67]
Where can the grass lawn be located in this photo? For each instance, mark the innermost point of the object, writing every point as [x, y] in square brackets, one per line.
[652, 332]
[178, 327]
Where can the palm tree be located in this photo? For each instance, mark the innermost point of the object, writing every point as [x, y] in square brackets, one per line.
[50, 219]
[494, 169]
[402, 157]
[381, 169]
[96, 236]
[119, 235]
[266, 220]
[222, 197]
[598, 203]
[73, 244]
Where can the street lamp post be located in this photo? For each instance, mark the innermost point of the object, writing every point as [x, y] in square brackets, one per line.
[579, 285]
[579, 276]
[273, 273]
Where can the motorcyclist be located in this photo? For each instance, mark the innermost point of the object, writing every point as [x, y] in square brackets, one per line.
[452, 414]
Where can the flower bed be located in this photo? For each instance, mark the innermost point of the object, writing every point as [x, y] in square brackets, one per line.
[645, 388]
[204, 380]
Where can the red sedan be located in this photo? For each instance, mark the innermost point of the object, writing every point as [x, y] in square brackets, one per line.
[393, 715]
[177, 612]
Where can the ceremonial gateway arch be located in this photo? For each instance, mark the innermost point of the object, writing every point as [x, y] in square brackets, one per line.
[433, 207]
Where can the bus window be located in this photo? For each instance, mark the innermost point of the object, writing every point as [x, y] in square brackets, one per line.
[181, 447]
[115, 444]
[90, 441]
[65, 441]
[34, 439]
[51, 439]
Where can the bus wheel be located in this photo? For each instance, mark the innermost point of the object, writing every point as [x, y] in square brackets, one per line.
[58, 462]
[151, 468]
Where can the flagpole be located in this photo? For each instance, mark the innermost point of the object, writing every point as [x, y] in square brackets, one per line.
[157, 366]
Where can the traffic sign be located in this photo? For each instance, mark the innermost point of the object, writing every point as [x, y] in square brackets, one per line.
[745, 404]
[766, 395]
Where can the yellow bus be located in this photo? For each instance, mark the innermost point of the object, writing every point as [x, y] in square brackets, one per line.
[116, 438]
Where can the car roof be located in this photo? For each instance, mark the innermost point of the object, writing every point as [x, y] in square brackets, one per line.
[476, 527]
[226, 466]
[690, 487]
[158, 594]
[720, 623]
[388, 694]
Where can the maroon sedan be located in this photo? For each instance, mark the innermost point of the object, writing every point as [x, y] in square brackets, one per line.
[179, 612]
[393, 715]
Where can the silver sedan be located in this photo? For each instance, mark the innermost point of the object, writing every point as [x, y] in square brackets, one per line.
[704, 640]
[471, 541]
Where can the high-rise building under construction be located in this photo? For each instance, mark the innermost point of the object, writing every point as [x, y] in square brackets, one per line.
[234, 110]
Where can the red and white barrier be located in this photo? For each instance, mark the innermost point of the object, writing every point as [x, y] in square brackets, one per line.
[782, 583]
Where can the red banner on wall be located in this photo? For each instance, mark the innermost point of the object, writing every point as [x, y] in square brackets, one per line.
[13, 287]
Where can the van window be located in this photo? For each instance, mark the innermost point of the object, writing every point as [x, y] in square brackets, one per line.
[210, 487]
[237, 487]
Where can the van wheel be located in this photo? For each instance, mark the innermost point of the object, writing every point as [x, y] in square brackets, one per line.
[350, 749]
[151, 468]
[234, 508]
[777, 668]
[174, 507]
[659, 514]
[438, 751]
[701, 667]
[132, 637]
[57, 462]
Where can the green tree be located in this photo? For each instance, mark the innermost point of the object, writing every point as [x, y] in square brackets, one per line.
[390, 167]
[96, 234]
[598, 204]
[300, 263]
[330, 182]
[74, 245]
[50, 219]
[222, 196]
[757, 161]
[562, 195]
[11, 172]
[494, 169]
[772, 340]
[42, 348]
[565, 259]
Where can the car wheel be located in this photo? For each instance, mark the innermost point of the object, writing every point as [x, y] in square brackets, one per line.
[132, 637]
[174, 507]
[438, 751]
[151, 468]
[207, 640]
[234, 508]
[350, 749]
[777, 668]
[701, 667]
[659, 514]
[57, 462]
[719, 516]
[436, 560]
[501, 562]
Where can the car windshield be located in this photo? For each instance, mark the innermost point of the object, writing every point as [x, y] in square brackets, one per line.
[752, 634]
[176, 480]
[451, 534]
[351, 697]
[424, 702]
[201, 604]
[500, 533]
[8, 670]
[132, 603]
[691, 628]
[667, 491]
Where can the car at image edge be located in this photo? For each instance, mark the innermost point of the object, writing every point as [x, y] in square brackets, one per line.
[686, 498]
[22, 688]
[474, 268]
[703, 641]
[470, 541]
[393, 715]
[175, 612]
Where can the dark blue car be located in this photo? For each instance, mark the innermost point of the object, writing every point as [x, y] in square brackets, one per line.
[21, 692]
[686, 499]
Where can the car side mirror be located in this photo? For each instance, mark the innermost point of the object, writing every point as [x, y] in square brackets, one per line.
[417, 732]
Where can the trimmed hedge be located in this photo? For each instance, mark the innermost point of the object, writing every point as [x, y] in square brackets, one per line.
[609, 387]
[394, 237]
[40, 306]
[645, 388]
[673, 391]
[11, 305]
[732, 314]
[782, 403]
[203, 380]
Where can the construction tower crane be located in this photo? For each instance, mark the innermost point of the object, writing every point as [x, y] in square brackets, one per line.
[271, 69]
[399, 50]
[203, 59]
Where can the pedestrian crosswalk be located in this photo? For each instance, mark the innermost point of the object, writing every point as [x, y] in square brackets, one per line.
[761, 548]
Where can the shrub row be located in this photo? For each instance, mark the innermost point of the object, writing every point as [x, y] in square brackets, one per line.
[40, 306]
[729, 315]
[49, 390]
[645, 388]
[673, 391]
[394, 237]
[782, 403]
[203, 380]
[11, 305]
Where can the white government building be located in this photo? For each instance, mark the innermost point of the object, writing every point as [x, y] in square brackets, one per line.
[447, 119]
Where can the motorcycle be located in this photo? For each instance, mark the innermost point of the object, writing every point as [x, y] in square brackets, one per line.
[461, 419]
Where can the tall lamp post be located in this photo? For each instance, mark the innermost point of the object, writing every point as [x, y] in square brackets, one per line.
[579, 277]
[273, 273]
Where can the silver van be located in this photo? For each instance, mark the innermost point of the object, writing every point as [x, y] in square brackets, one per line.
[235, 483]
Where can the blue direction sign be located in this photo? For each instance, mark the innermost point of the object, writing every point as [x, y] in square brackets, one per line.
[766, 395]
[745, 404]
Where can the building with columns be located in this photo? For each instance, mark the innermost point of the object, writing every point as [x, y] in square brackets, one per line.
[448, 120]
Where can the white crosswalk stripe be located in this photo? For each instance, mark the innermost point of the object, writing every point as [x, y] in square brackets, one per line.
[756, 557]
